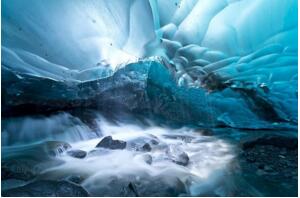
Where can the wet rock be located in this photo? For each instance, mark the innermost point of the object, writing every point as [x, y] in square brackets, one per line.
[98, 152]
[20, 168]
[47, 188]
[77, 179]
[132, 187]
[147, 158]
[77, 153]
[146, 147]
[55, 148]
[143, 185]
[274, 163]
[17, 169]
[154, 140]
[160, 186]
[205, 132]
[11, 183]
[177, 155]
[143, 144]
[109, 143]
[273, 140]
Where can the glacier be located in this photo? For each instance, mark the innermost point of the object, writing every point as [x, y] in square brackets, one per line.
[203, 42]
[81, 70]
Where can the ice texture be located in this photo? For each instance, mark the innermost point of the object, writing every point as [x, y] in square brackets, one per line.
[144, 88]
[230, 62]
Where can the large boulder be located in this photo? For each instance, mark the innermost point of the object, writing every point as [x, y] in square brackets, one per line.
[109, 143]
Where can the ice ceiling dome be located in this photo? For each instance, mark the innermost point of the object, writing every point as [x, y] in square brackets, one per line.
[215, 44]
[80, 34]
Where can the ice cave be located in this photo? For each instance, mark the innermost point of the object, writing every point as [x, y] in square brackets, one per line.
[149, 98]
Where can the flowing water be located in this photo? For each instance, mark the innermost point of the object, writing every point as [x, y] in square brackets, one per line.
[209, 157]
[188, 160]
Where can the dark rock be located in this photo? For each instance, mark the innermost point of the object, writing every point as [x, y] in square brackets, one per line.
[144, 186]
[77, 153]
[160, 186]
[177, 155]
[16, 172]
[17, 169]
[273, 140]
[108, 142]
[154, 142]
[205, 132]
[146, 147]
[132, 187]
[47, 188]
[261, 166]
[77, 179]
[144, 144]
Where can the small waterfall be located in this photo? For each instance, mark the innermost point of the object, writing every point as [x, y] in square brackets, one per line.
[61, 127]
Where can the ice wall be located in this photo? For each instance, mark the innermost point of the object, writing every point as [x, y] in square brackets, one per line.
[225, 48]
[241, 44]
[245, 41]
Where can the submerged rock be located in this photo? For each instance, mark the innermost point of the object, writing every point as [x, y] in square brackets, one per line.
[98, 151]
[77, 153]
[109, 143]
[144, 144]
[143, 185]
[47, 188]
[147, 158]
[55, 148]
[77, 179]
[177, 155]
[15, 169]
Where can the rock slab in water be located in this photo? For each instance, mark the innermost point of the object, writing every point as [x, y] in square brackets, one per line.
[55, 148]
[109, 143]
[16, 170]
[77, 153]
[145, 186]
[46, 188]
[177, 155]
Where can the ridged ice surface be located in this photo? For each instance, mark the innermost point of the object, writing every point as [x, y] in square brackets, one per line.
[212, 45]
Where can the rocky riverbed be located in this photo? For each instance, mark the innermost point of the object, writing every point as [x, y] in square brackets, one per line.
[153, 160]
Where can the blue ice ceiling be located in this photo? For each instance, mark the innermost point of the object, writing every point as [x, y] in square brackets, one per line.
[210, 44]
